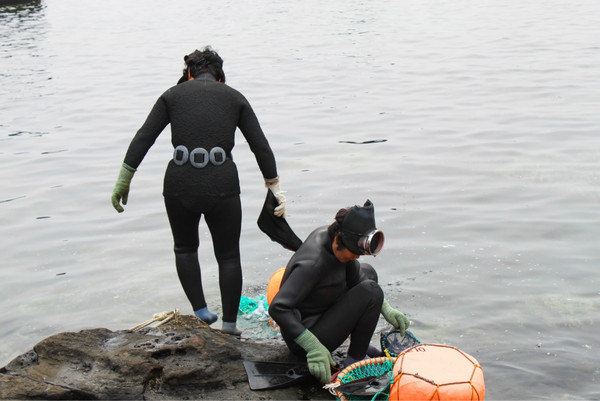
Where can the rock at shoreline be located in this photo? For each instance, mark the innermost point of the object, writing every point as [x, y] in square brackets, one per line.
[183, 359]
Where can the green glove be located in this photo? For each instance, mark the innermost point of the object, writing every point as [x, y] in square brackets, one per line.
[394, 317]
[121, 190]
[318, 357]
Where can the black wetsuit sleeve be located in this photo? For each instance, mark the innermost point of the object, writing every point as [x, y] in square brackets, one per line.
[353, 274]
[156, 121]
[293, 291]
[248, 124]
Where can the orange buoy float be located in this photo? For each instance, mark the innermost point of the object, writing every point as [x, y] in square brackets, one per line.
[436, 372]
[274, 284]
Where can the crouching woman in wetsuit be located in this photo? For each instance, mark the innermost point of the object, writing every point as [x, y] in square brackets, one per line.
[326, 295]
[202, 179]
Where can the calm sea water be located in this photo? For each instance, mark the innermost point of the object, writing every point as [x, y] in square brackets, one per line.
[488, 186]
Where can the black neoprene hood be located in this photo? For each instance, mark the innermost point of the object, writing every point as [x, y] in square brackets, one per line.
[359, 222]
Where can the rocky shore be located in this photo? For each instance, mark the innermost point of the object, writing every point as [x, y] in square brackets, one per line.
[181, 359]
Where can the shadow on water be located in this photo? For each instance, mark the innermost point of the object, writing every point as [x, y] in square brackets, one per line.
[16, 6]
[22, 26]
[14, 12]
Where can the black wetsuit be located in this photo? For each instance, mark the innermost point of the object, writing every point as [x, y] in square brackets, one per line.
[332, 299]
[204, 113]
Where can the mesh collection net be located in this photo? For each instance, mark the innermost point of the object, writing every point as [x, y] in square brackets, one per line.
[369, 379]
[393, 343]
[369, 369]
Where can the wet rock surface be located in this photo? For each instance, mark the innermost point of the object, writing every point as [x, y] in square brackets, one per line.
[183, 359]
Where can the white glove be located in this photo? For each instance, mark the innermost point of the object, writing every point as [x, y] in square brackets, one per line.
[279, 195]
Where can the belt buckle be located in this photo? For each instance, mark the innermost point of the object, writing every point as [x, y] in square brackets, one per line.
[205, 157]
[216, 156]
[181, 149]
[217, 151]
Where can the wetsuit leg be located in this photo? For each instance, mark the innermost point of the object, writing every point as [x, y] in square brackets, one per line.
[355, 315]
[369, 272]
[224, 221]
[184, 226]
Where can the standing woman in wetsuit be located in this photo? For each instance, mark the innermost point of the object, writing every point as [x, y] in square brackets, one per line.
[326, 295]
[202, 179]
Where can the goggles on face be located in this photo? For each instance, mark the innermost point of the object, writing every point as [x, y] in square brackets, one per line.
[370, 243]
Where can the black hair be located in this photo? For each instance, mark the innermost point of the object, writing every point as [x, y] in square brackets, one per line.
[202, 61]
[334, 228]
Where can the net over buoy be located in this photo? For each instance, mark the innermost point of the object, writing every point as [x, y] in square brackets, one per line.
[274, 284]
[436, 372]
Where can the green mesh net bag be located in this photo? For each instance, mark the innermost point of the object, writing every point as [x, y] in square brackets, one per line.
[254, 318]
[256, 306]
[369, 379]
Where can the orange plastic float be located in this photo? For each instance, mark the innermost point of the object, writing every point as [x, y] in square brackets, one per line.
[436, 372]
[274, 284]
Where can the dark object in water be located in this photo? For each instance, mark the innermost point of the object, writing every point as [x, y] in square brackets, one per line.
[273, 375]
[12, 199]
[365, 142]
[49, 152]
[277, 228]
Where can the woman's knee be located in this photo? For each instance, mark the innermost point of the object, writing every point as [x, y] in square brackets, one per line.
[232, 264]
[369, 272]
[372, 289]
[187, 247]
[225, 252]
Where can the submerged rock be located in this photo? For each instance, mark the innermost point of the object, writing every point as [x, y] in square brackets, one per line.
[183, 359]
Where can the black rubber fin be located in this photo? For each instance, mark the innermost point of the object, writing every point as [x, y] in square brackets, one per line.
[277, 228]
[274, 375]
